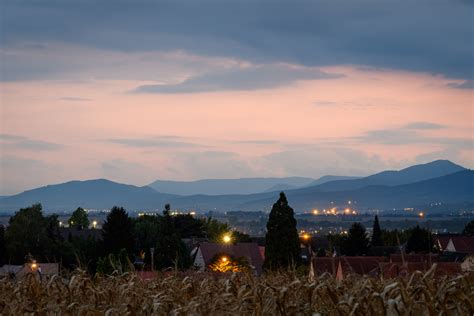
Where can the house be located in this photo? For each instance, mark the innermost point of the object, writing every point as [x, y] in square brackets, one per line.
[455, 244]
[19, 271]
[10, 269]
[206, 253]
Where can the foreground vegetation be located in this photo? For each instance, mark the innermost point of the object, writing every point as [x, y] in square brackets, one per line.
[231, 294]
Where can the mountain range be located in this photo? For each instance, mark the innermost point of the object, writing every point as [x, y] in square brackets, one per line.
[229, 186]
[437, 181]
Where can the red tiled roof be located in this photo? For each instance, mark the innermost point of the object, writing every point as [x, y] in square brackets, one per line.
[414, 257]
[359, 265]
[392, 270]
[325, 264]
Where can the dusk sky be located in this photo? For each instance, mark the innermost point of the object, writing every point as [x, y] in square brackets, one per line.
[135, 91]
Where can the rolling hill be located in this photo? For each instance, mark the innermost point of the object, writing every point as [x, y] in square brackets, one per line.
[411, 174]
[430, 183]
[96, 194]
[229, 186]
[452, 188]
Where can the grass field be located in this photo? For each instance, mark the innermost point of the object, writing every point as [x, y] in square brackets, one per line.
[237, 294]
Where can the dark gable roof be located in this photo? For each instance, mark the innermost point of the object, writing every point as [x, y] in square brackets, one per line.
[463, 244]
[247, 250]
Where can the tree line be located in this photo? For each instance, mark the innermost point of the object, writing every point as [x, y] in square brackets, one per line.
[123, 240]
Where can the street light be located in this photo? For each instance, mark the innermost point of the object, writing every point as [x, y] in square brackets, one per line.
[94, 224]
[152, 252]
[226, 238]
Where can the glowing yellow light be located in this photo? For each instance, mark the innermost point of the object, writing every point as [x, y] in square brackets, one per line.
[224, 259]
[306, 236]
[421, 214]
[34, 265]
[94, 224]
[347, 211]
[226, 238]
[192, 213]
[354, 213]
[315, 212]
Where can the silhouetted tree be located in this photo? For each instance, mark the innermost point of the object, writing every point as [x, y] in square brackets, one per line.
[377, 240]
[187, 226]
[29, 232]
[215, 230]
[170, 251]
[79, 219]
[167, 209]
[469, 229]
[357, 242]
[3, 250]
[420, 240]
[146, 229]
[395, 238]
[80, 252]
[282, 246]
[240, 237]
[117, 231]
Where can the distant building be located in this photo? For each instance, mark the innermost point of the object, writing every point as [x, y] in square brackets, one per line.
[19, 271]
[205, 253]
[455, 244]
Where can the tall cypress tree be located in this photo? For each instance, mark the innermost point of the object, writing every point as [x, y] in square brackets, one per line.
[282, 246]
[377, 240]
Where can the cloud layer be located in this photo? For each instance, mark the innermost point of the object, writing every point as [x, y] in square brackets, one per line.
[429, 36]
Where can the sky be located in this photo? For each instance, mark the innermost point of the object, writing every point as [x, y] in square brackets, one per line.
[135, 91]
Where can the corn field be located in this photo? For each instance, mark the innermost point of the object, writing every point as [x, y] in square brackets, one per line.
[237, 294]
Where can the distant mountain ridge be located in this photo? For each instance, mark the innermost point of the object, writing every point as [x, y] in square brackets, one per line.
[432, 182]
[434, 169]
[96, 194]
[330, 178]
[228, 186]
[452, 188]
